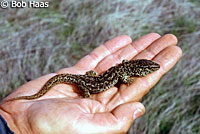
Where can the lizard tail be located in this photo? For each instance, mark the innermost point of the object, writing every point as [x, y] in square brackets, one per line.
[34, 96]
[23, 97]
[31, 97]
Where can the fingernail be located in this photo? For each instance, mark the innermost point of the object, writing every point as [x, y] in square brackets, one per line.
[137, 114]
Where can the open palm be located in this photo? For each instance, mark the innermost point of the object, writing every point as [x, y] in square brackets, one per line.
[62, 110]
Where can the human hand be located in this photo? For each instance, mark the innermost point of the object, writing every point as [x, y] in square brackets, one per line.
[61, 110]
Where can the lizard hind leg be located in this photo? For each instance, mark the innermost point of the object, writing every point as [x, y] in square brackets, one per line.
[86, 92]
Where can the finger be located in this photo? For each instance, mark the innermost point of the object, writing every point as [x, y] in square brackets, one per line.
[111, 46]
[120, 119]
[124, 53]
[91, 60]
[152, 50]
[127, 52]
[127, 113]
[157, 46]
[167, 59]
[71, 70]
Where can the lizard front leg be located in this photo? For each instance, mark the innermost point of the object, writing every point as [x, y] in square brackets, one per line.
[127, 79]
[91, 73]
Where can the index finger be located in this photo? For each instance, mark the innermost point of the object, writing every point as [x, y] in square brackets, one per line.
[91, 60]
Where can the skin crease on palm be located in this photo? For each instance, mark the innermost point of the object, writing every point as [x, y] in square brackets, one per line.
[61, 110]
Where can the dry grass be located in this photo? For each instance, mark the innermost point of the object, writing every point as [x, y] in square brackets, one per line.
[34, 42]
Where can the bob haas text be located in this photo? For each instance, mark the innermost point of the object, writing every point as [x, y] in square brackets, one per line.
[29, 4]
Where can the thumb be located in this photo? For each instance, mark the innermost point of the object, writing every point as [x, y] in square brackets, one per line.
[127, 113]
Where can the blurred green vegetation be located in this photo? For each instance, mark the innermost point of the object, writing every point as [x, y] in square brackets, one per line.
[183, 25]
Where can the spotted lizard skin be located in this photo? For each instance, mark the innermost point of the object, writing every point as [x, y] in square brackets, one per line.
[91, 83]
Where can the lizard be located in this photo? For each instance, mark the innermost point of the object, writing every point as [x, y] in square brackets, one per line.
[91, 83]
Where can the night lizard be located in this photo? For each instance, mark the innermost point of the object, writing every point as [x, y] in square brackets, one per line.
[91, 83]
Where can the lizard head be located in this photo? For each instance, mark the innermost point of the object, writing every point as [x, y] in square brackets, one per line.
[140, 67]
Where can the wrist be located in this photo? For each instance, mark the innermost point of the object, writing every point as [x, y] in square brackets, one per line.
[9, 120]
